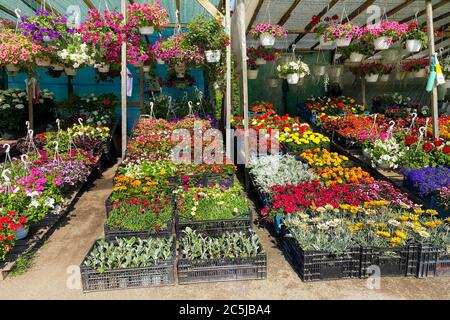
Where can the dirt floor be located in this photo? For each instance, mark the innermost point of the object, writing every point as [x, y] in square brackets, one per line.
[54, 273]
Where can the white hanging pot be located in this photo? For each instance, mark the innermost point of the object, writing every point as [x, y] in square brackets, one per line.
[252, 74]
[382, 43]
[356, 57]
[57, 67]
[266, 40]
[212, 56]
[325, 43]
[43, 62]
[104, 68]
[22, 233]
[413, 45]
[70, 71]
[160, 61]
[260, 61]
[372, 78]
[422, 73]
[343, 42]
[273, 82]
[301, 81]
[147, 30]
[293, 78]
[384, 78]
[12, 67]
[319, 70]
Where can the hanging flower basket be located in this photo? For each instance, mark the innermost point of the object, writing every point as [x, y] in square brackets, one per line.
[104, 68]
[343, 42]
[57, 67]
[12, 67]
[372, 78]
[70, 71]
[416, 38]
[382, 43]
[356, 57]
[292, 78]
[213, 56]
[268, 33]
[422, 73]
[383, 35]
[43, 62]
[318, 70]
[252, 74]
[147, 31]
[413, 45]
[260, 61]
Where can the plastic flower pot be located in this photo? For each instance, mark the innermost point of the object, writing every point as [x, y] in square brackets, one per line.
[212, 56]
[325, 43]
[12, 68]
[22, 233]
[266, 40]
[319, 70]
[343, 42]
[252, 74]
[70, 71]
[260, 61]
[57, 67]
[372, 78]
[382, 43]
[147, 30]
[422, 73]
[43, 62]
[356, 57]
[413, 45]
[384, 166]
[160, 61]
[103, 69]
[384, 78]
[292, 78]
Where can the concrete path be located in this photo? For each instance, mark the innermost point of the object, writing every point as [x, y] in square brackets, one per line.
[54, 274]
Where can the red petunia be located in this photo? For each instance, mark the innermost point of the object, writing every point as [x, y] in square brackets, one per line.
[428, 147]
[410, 140]
[446, 150]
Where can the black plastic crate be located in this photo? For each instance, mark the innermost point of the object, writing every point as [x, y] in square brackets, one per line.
[433, 262]
[319, 265]
[225, 269]
[204, 180]
[215, 227]
[162, 274]
[393, 262]
[262, 196]
[344, 142]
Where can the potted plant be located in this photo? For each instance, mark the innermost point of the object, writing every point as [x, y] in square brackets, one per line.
[253, 68]
[16, 50]
[209, 35]
[43, 57]
[262, 55]
[445, 63]
[45, 26]
[319, 26]
[13, 227]
[177, 50]
[147, 17]
[341, 33]
[75, 54]
[383, 35]
[416, 38]
[293, 71]
[416, 68]
[267, 33]
[370, 71]
[355, 52]
[386, 72]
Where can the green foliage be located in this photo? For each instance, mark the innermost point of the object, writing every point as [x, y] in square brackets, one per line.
[131, 253]
[23, 264]
[207, 33]
[195, 246]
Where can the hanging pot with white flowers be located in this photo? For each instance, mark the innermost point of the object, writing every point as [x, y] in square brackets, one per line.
[268, 33]
[293, 71]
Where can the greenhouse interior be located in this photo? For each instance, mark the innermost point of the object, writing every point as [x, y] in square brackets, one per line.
[225, 149]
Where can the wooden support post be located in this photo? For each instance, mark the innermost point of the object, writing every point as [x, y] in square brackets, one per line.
[363, 92]
[434, 93]
[124, 85]
[141, 88]
[229, 136]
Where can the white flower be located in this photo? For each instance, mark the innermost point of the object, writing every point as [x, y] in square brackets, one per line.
[6, 106]
[34, 203]
[235, 210]
[20, 106]
[33, 194]
[394, 222]
[49, 202]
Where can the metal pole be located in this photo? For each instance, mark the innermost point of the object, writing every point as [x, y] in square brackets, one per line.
[434, 94]
[30, 103]
[124, 85]
[229, 142]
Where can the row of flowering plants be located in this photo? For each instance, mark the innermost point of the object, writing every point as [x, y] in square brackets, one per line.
[52, 166]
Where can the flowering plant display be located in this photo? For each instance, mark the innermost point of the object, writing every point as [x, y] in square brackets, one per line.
[333, 106]
[355, 47]
[76, 53]
[12, 108]
[297, 142]
[17, 49]
[10, 222]
[45, 26]
[415, 65]
[262, 107]
[147, 15]
[319, 158]
[342, 175]
[267, 54]
[214, 203]
[176, 49]
[272, 170]
[386, 152]
[369, 69]
[293, 67]
[414, 32]
[347, 30]
[268, 29]
[150, 214]
[319, 26]
[207, 33]
[427, 180]
[394, 31]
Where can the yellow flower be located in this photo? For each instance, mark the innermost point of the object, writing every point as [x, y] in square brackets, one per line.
[400, 234]
[136, 183]
[162, 172]
[432, 212]
[383, 234]
[395, 241]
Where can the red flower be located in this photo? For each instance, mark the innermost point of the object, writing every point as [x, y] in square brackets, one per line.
[23, 220]
[12, 213]
[106, 102]
[438, 143]
[428, 147]
[157, 228]
[412, 25]
[446, 150]
[2, 238]
[10, 237]
[410, 140]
